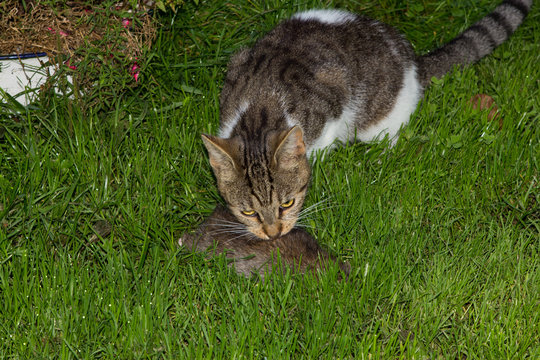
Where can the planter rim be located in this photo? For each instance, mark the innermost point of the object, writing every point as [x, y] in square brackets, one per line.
[23, 56]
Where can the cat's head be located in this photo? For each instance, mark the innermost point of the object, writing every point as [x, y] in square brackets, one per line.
[264, 184]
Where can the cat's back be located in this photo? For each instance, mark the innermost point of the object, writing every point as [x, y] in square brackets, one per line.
[316, 40]
[325, 32]
[312, 67]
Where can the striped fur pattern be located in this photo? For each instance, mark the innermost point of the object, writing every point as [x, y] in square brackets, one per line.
[263, 177]
[476, 42]
[319, 77]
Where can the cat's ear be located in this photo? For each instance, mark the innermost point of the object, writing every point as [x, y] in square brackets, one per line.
[221, 154]
[290, 148]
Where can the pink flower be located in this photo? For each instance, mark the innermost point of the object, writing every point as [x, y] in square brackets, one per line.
[135, 71]
[68, 64]
[61, 32]
[126, 23]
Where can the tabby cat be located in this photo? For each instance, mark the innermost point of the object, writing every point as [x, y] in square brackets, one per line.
[318, 77]
[222, 233]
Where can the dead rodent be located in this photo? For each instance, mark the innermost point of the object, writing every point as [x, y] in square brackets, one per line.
[222, 233]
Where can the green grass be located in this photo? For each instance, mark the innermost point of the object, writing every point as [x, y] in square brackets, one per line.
[442, 231]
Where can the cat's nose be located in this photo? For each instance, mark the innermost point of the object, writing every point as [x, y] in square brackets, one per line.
[274, 237]
[273, 232]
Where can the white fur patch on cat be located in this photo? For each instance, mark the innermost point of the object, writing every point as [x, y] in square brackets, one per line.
[229, 124]
[333, 17]
[405, 104]
[344, 130]
[338, 129]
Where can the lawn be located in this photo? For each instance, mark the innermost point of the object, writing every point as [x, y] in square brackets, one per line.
[442, 231]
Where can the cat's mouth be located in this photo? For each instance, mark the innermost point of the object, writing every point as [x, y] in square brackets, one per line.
[271, 232]
[274, 237]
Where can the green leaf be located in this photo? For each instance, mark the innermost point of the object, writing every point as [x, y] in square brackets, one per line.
[191, 89]
[454, 142]
[436, 81]
[487, 138]
[161, 6]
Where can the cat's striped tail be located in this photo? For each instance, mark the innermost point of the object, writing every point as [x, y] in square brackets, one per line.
[475, 42]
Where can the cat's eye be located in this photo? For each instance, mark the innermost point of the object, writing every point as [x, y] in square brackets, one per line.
[249, 212]
[287, 204]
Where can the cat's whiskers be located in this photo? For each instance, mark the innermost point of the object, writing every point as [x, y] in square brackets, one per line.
[308, 214]
[315, 210]
[227, 231]
[227, 222]
[230, 226]
[318, 206]
[246, 233]
[304, 226]
[314, 205]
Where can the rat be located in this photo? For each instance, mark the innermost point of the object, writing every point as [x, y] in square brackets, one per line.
[222, 233]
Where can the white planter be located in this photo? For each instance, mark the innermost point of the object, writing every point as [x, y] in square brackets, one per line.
[21, 78]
